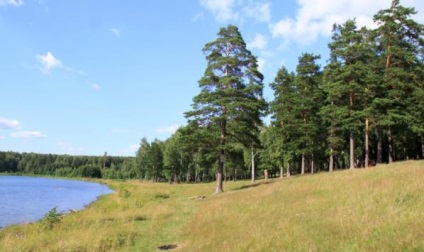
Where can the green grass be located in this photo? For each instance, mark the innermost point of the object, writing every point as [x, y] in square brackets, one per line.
[378, 209]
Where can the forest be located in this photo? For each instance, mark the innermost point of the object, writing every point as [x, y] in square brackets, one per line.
[364, 107]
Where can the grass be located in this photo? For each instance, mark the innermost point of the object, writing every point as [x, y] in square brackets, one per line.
[378, 209]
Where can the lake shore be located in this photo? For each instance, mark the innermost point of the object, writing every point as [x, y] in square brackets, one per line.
[27, 199]
[376, 209]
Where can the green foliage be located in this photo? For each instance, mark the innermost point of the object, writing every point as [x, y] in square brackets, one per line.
[230, 99]
[89, 171]
[160, 196]
[199, 144]
[51, 219]
[65, 165]
[400, 49]
[297, 101]
[149, 160]
[346, 84]
[124, 193]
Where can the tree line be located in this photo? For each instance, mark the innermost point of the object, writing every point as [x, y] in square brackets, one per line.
[67, 165]
[364, 107]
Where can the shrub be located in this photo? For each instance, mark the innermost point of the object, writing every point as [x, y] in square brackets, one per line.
[51, 219]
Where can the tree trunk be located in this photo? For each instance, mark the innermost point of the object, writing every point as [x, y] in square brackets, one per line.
[422, 146]
[312, 165]
[380, 146]
[367, 151]
[288, 169]
[282, 153]
[266, 174]
[303, 165]
[219, 176]
[252, 155]
[390, 139]
[331, 166]
[388, 58]
[351, 151]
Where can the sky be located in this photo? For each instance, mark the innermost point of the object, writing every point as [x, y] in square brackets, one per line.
[89, 77]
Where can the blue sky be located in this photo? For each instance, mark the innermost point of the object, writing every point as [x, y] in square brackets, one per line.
[88, 77]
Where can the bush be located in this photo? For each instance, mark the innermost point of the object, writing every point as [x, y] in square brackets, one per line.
[51, 219]
[89, 171]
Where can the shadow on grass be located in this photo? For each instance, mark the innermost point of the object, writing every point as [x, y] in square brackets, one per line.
[254, 185]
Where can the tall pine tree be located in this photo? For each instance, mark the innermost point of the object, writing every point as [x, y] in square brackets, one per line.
[231, 94]
[345, 85]
[400, 40]
[283, 117]
[309, 101]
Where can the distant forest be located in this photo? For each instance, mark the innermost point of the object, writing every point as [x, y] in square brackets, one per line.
[364, 107]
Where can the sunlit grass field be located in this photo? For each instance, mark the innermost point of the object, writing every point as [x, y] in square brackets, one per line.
[377, 209]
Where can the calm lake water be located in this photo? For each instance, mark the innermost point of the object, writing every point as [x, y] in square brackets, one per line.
[28, 199]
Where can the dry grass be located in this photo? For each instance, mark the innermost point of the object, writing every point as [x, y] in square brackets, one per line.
[137, 217]
[379, 209]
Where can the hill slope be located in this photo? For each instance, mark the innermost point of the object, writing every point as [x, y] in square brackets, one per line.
[378, 209]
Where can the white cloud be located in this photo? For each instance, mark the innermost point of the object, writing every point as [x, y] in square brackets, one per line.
[259, 42]
[315, 18]
[221, 9]
[2, 137]
[48, 62]
[261, 12]
[93, 85]
[170, 129]
[115, 31]
[198, 16]
[261, 64]
[27, 134]
[16, 3]
[238, 10]
[9, 124]
[70, 147]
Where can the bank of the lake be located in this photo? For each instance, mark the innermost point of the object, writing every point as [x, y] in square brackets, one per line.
[27, 199]
[376, 209]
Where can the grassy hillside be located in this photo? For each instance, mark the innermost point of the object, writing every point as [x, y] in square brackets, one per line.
[378, 209]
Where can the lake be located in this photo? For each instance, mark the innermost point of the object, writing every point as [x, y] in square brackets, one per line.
[27, 199]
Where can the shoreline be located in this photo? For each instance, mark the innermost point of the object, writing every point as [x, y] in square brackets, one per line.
[66, 209]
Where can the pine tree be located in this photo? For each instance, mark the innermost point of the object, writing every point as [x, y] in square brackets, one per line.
[309, 101]
[400, 40]
[282, 114]
[270, 156]
[231, 94]
[345, 84]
